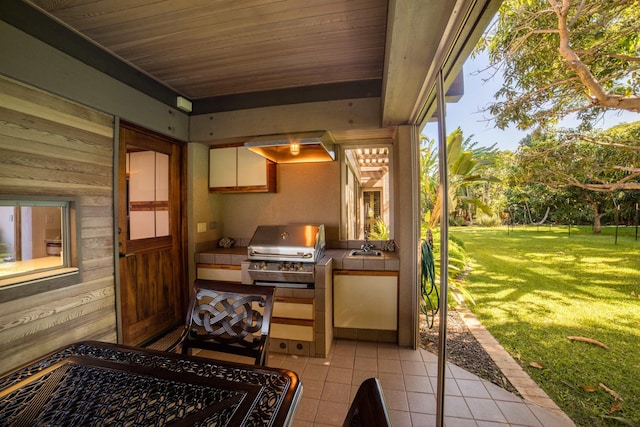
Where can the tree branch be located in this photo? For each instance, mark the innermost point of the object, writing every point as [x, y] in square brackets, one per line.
[597, 95]
[608, 143]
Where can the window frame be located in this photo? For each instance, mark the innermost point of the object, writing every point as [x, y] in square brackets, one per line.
[345, 166]
[69, 273]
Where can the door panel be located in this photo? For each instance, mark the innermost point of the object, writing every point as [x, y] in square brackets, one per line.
[152, 271]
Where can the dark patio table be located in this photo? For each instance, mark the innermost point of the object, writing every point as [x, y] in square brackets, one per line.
[100, 384]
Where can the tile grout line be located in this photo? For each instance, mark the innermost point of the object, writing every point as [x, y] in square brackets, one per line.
[517, 376]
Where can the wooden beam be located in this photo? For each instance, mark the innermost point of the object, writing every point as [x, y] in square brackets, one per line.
[329, 115]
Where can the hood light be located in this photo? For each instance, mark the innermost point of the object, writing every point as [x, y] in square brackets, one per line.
[301, 147]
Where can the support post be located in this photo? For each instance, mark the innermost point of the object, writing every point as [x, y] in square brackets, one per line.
[444, 251]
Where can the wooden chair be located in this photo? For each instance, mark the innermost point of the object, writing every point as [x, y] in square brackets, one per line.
[368, 407]
[228, 317]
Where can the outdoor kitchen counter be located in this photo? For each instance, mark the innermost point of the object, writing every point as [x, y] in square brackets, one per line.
[387, 261]
[223, 260]
[373, 282]
[230, 256]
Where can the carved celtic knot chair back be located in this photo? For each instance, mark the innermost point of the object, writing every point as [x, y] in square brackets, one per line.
[228, 317]
[368, 408]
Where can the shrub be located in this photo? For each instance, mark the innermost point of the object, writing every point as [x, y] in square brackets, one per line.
[458, 264]
[484, 220]
[380, 231]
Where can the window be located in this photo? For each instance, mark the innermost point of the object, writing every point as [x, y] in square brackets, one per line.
[148, 193]
[36, 238]
[372, 209]
[366, 194]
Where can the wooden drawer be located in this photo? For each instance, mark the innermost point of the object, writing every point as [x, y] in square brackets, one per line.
[291, 331]
[221, 272]
[293, 319]
[294, 308]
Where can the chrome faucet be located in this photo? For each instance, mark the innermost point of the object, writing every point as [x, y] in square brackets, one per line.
[367, 246]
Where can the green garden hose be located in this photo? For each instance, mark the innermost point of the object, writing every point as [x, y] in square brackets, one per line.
[428, 288]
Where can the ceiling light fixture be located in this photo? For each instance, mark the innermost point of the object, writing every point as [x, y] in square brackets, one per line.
[301, 147]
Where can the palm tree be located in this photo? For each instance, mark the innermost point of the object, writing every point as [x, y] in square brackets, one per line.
[466, 165]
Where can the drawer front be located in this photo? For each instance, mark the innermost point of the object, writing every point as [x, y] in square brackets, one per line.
[224, 273]
[293, 310]
[291, 332]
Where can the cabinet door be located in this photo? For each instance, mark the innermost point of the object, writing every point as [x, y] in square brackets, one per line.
[365, 300]
[222, 167]
[252, 169]
[239, 170]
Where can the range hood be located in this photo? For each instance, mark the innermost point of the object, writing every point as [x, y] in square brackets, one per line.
[307, 147]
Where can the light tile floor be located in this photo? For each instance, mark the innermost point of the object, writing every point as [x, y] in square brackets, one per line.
[409, 381]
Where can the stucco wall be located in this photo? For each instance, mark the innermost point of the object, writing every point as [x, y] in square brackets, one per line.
[307, 194]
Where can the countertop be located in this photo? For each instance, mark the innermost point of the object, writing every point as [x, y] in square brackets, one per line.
[387, 261]
[233, 256]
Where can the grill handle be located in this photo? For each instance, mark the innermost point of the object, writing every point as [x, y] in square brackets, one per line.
[267, 255]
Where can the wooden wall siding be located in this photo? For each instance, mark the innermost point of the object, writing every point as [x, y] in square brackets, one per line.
[50, 146]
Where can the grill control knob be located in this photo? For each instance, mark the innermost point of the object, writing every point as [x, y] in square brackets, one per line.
[263, 266]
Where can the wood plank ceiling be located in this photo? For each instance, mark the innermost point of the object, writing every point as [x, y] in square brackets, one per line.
[207, 48]
[233, 54]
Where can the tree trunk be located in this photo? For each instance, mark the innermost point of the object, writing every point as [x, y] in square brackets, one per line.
[527, 212]
[596, 224]
[546, 214]
[597, 229]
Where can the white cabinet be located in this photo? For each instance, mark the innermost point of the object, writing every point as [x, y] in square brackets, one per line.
[252, 169]
[223, 167]
[365, 299]
[237, 169]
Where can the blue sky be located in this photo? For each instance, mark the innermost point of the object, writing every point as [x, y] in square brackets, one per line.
[467, 113]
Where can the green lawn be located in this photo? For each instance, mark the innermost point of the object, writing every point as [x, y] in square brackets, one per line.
[535, 286]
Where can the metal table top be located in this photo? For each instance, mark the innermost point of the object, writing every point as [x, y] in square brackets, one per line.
[94, 384]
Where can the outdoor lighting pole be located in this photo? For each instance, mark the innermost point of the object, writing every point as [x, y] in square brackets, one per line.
[617, 222]
[636, 221]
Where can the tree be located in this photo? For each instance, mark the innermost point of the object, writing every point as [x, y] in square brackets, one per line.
[594, 167]
[561, 57]
[428, 175]
[467, 165]
[594, 162]
[495, 192]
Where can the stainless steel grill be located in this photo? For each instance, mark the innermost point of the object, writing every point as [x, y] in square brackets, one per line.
[285, 255]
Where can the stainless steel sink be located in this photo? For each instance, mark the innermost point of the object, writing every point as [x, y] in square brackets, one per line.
[359, 252]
